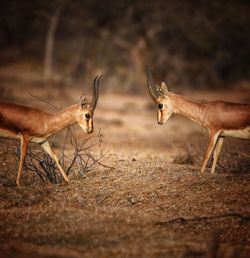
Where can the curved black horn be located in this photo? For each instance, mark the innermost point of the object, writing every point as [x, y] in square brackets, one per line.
[95, 91]
[151, 87]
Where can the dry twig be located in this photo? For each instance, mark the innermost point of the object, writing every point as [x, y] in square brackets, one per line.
[81, 162]
[183, 221]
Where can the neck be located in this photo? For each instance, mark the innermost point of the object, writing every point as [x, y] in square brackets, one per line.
[186, 108]
[62, 119]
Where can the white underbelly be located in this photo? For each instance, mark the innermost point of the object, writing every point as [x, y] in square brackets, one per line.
[9, 135]
[38, 139]
[6, 134]
[240, 133]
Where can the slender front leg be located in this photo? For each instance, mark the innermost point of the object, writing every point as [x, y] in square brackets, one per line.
[47, 148]
[217, 153]
[23, 149]
[213, 137]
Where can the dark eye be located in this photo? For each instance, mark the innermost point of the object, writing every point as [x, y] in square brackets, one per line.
[87, 116]
[160, 106]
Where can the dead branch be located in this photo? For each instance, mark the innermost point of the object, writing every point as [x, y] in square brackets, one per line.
[43, 100]
[183, 221]
[80, 162]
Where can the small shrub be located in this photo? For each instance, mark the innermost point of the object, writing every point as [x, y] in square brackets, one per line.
[80, 162]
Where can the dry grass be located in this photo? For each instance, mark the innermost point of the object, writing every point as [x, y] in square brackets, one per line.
[121, 212]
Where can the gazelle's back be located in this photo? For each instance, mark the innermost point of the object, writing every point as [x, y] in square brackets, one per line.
[17, 118]
[227, 115]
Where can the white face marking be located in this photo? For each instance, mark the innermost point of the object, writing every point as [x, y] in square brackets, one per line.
[164, 109]
[86, 122]
[240, 133]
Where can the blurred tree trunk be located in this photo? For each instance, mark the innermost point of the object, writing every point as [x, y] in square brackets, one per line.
[49, 45]
[137, 73]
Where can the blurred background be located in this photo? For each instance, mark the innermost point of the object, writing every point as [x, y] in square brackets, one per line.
[147, 175]
[189, 44]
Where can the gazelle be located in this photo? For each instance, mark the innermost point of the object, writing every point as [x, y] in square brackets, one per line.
[219, 118]
[33, 125]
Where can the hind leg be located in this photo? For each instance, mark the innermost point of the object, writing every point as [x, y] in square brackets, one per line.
[23, 149]
[213, 137]
[217, 153]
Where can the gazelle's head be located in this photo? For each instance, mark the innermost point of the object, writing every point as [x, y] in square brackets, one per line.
[87, 108]
[160, 96]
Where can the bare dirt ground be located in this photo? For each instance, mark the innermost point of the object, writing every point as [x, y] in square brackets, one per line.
[152, 203]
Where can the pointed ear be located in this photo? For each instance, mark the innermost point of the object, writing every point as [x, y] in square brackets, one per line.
[83, 102]
[158, 88]
[164, 88]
